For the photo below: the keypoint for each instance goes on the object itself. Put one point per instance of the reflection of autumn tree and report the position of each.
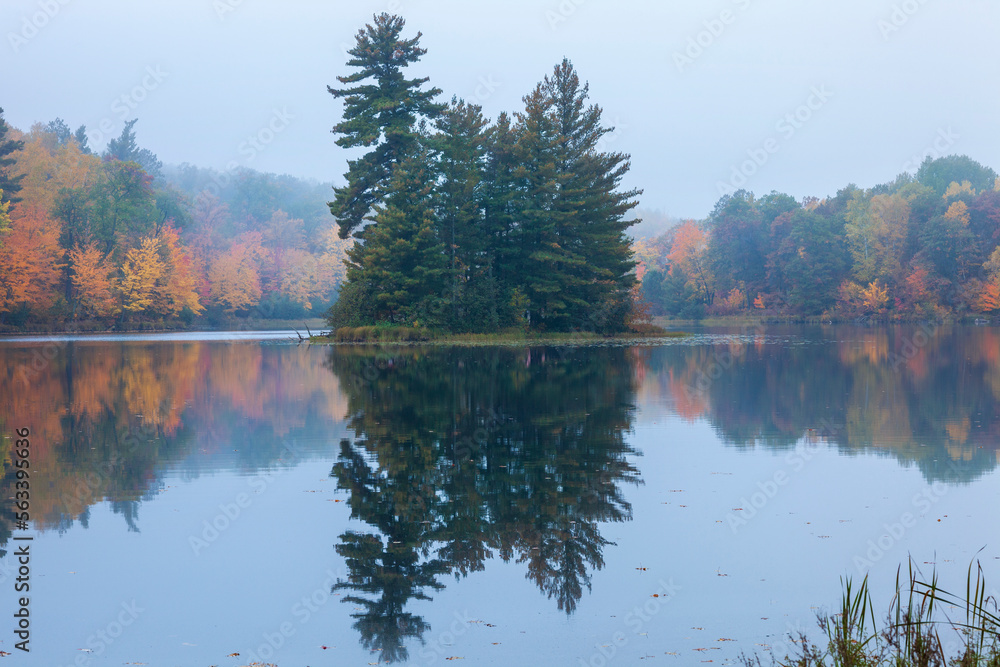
(923, 394)
(116, 414)
(463, 454)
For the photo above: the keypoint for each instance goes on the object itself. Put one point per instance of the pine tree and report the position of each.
(125, 148)
(9, 183)
(576, 261)
(460, 148)
(401, 259)
(593, 205)
(382, 112)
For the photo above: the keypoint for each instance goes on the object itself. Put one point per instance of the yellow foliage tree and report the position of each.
(956, 189)
(875, 297)
(175, 288)
(140, 272)
(958, 212)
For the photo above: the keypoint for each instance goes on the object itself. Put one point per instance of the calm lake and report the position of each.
(203, 495)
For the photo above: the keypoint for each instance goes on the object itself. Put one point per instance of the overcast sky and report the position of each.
(700, 90)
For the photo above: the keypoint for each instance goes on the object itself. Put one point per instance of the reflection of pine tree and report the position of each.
(463, 454)
(392, 574)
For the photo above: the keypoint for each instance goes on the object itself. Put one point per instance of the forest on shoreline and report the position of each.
(119, 241)
(921, 247)
(453, 223)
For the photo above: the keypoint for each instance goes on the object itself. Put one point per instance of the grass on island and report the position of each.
(383, 333)
(926, 626)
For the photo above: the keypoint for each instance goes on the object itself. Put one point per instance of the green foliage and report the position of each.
(354, 307)
(473, 227)
(9, 183)
(125, 149)
(382, 111)
(940, 173)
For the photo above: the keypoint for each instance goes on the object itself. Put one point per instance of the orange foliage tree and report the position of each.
(29, 260)
(234, 276)
(175, 287)
(93, 282)
(688, 254)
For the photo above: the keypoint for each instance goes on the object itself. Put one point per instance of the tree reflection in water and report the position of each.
(462, 455)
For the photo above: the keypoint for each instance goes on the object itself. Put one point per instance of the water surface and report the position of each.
(199, 496)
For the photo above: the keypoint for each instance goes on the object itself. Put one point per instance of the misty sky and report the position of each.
(871, 85)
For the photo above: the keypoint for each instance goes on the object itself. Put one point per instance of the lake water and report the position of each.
(198, 496)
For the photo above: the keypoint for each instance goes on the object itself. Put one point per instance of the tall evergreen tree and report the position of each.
(9, 183)
(576, 260)
(383, 111)
(401, 258)
(460, 149)
(125, 148)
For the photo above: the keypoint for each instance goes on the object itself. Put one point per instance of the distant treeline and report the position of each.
(923, 246)
(117, 240)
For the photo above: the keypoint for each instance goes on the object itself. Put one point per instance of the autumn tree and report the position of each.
(175, 287)
(876, 230)
(141, 270)
(688, 258)
(234, 275)
(30, 261)
(93, 282)
(811, 260)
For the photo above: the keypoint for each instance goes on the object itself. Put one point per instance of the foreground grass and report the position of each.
(925, 626)
(410, 335)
